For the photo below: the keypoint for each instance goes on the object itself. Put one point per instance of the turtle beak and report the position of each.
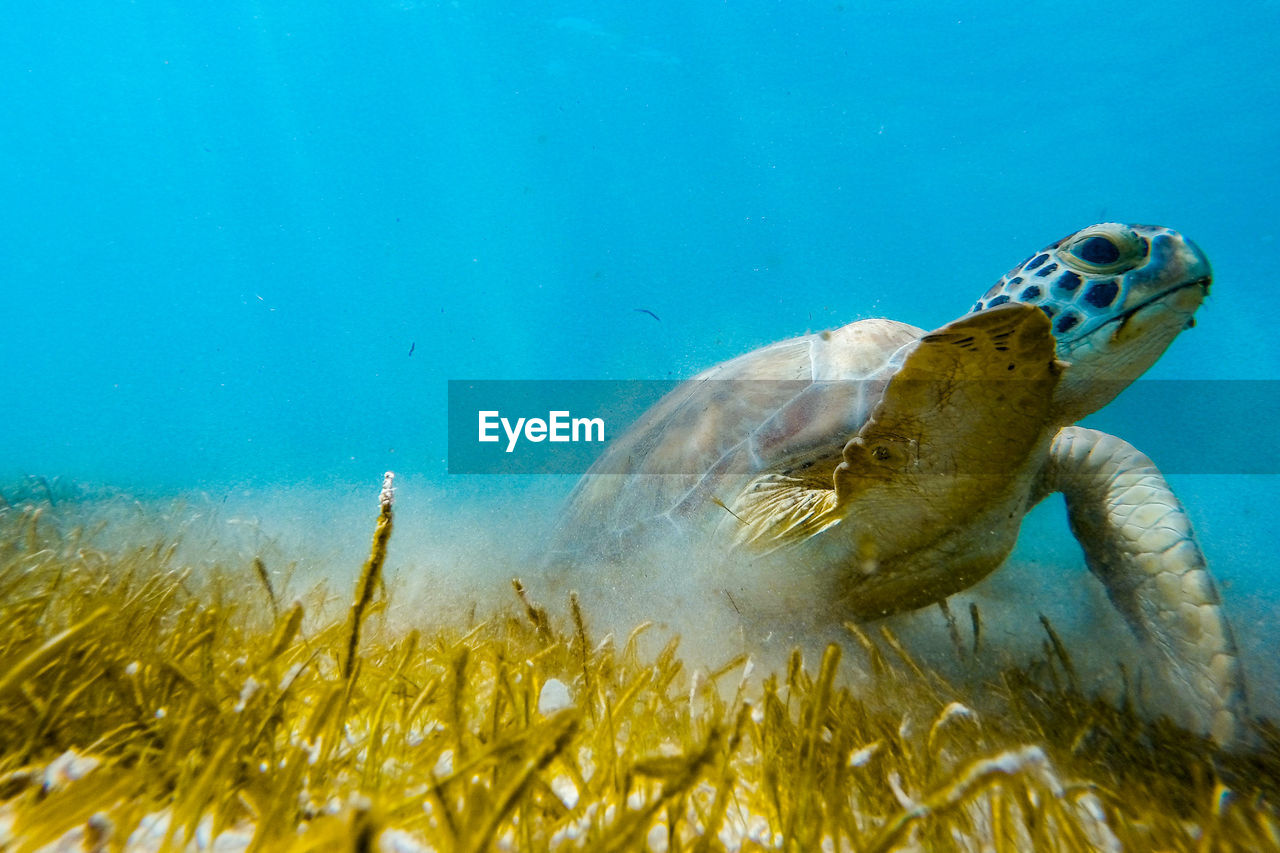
(1203, 283)
(1182, 296)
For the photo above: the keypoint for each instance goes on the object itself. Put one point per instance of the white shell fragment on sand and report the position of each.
(554, 697)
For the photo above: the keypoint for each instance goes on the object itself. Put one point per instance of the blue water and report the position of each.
(247, 244)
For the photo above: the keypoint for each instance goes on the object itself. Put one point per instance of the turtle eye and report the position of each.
(1097, 250)
(1102, 250)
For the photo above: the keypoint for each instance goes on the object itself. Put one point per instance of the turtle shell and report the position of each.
(675, 469)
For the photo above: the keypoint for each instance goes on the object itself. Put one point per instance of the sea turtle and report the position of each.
(875, 469)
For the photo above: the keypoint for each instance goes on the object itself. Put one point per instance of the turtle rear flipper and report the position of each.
(1138, 541)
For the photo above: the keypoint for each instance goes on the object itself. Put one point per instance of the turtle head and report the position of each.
(1117, 296)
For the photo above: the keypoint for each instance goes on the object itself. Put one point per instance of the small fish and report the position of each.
(412, 346)
(650, 313)
(731, 601)
(715, 500)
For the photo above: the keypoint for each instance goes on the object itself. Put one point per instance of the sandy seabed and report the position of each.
(159, 692)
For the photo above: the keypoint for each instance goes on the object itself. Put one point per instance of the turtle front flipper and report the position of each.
(968, 404)
(1137, 540)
